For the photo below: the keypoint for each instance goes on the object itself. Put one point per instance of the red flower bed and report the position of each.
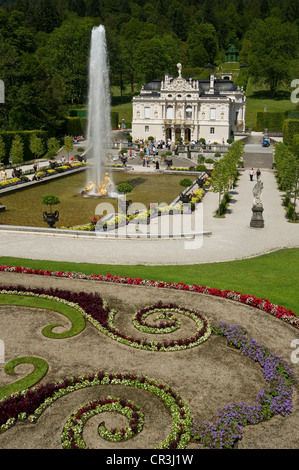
(263, 304)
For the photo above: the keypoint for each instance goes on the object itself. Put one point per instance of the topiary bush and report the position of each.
(50, 200)
(186, 182)
(124, 188)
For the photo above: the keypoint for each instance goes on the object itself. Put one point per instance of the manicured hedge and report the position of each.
(77, 125)
(271, 121)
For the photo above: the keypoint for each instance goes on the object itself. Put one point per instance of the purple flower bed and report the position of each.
(228, 425)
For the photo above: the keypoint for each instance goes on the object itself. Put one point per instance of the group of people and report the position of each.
(257, 173)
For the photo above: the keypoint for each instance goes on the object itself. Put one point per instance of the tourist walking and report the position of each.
(251, 173)
(258, 174)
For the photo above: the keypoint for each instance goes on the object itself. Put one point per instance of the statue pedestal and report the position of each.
(257, 216)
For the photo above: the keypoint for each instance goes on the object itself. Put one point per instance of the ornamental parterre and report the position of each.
(97, 312)
(264, 305)
(222, 432)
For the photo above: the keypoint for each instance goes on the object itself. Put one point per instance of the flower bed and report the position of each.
(13, 182)
(96, 311)
(264, 305)
(147, 215)
(60, 169)
(222, 432)
(73, 429)
(30, 404)
(275, 399)
(41, 174)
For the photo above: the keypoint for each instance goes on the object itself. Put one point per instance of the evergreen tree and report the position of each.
(17, 150)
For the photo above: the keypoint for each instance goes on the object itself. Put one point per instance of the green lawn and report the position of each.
(258, 97)
(273, 276)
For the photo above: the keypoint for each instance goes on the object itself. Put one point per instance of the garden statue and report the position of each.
(257, 209)
(257, 193)
(102, 189)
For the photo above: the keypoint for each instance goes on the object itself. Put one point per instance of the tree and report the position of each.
(32, 101)
(219, 181)
(65, 57)
(287, 166)
(274, 48)
(46, 15)
(202, 42)
(17, 150)
(151, 60)
(53, 145)
(226, 170)
(2, 149)
(37, 145)
(68, 145)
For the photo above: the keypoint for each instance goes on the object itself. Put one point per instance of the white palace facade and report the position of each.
(174, 107)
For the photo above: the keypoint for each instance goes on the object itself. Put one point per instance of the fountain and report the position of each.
(99, 182)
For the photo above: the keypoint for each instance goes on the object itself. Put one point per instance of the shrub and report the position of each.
(290, 128)
(291, 213)
(201, 168)
(186, 182)
(224, 203)
(286, 200)
(124, 188)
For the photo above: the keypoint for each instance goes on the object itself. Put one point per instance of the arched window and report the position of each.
(189, 112)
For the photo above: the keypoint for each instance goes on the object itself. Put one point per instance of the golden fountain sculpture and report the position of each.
(101, 189)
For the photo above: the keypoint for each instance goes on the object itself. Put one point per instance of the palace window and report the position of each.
(212, 130)
(213, 114)
(189, 112)
(146, 129)
(169, 112)
(146, 112)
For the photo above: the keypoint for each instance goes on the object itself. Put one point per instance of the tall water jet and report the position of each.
(99, 126)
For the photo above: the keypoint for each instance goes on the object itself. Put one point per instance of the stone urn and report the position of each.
(168, 162)
(51, 218)
(185, 198)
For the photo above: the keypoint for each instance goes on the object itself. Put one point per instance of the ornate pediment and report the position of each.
(179, 84)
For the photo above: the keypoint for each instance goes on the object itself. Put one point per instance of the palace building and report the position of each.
(174, 107)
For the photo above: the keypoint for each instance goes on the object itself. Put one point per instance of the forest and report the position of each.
(44, 48)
